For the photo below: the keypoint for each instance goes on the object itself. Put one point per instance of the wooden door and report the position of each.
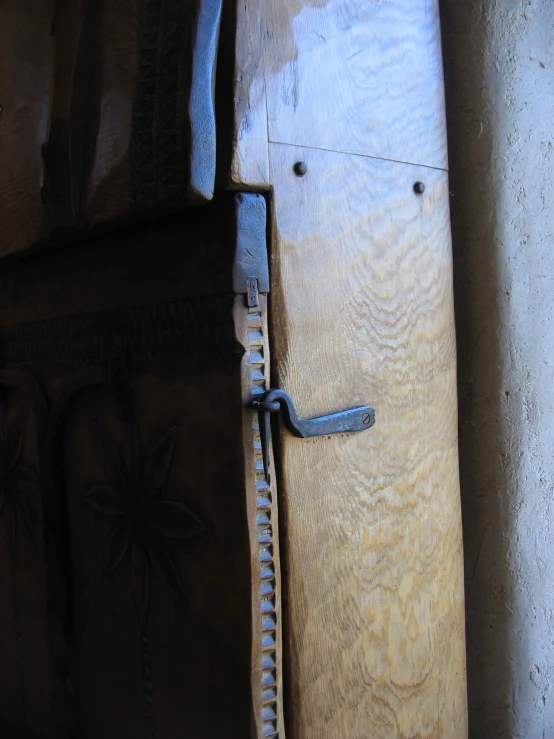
(340, 115)
(139, 530)
(163, 572)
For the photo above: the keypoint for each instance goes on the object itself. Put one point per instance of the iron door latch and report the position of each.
(359, 418)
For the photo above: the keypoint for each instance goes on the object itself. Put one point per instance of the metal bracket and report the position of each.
(359, 418)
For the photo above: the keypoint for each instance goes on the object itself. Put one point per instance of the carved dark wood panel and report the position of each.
(140, 577)
(185, 328)
(160, 561)
(114, 116)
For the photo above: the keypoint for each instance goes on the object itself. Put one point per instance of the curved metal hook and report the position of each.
(360, 418)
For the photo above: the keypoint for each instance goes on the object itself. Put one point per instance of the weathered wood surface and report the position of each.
(250, 162)
(362, 313)
(363, 77)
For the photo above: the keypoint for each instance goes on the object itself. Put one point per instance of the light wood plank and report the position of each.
(362, 76)
(250, 163)
(362, 313)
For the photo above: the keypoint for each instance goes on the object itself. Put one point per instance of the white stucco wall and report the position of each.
(499, 64)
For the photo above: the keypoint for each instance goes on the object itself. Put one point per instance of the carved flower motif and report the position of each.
(18, 484)
(143, 522)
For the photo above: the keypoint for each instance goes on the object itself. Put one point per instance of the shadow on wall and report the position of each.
(485, 515)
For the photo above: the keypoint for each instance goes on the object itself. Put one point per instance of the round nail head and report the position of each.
(300, 169)
(419, 188)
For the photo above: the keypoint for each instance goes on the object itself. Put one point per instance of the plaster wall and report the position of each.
(499, 66)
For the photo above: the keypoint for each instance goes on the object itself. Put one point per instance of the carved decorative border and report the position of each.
(172, 165)
(174, 330)
(159, 163)
(267, 535)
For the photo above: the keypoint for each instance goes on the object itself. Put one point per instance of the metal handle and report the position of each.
(359, 418)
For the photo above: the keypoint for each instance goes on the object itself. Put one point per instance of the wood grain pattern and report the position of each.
(263, 521)
(362, 76)
(362, 313)
(25, 93)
